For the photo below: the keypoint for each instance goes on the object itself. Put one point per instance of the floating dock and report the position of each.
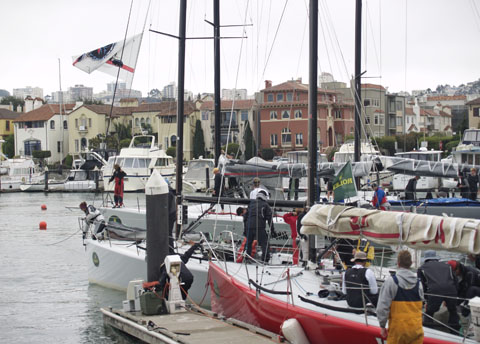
(196, 325)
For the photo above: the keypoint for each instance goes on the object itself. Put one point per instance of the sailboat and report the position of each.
(267, 296)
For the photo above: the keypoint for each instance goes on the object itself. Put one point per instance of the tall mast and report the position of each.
(358, 95)
(216, 48)
(312, 103)
(180, 107)
(60, 107)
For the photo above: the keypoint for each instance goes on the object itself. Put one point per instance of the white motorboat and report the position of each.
(138, 161)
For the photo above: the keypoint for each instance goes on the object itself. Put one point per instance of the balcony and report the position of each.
(82, 128)
(225, 126)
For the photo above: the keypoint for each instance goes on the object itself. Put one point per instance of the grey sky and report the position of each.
(440, 42)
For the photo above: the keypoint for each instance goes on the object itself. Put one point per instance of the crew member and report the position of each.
(379, 200)
(243, 212)
(472, 180)
(400, 303)
(93, 216)
(359, 283)
(256, 188)
(259, 213)
(219, 185)
(411, 189)
(440, 285)
(468, 281)
(118, 176)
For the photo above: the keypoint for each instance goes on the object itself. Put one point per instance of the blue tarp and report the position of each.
(457, 202)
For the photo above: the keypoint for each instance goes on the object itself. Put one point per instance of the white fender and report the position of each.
(293, 331)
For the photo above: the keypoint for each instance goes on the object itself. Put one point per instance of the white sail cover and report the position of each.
(109, 58)
(394, 228)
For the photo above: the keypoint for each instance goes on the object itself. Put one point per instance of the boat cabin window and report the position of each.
(142, 163)
(128, 163)
(161, 162)
(471, 136)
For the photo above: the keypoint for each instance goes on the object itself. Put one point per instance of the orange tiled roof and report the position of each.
(188, 108)
(378, 87)
(294, 85)
(227, 105)
(44, 113)
(433, 98)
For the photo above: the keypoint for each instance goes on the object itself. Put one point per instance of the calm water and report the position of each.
(44, 293)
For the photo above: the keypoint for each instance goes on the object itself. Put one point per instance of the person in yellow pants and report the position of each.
(400, 303)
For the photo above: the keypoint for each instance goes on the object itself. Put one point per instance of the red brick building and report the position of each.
(284, 117)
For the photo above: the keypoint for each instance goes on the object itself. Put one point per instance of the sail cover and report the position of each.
(112, 56)
(418, 231)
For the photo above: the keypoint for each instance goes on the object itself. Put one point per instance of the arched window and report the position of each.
(298, 113)
(173, 140)
(52, 124)
(142, 121)
(83, 143)
(286, 114)
(147, 120)
(137, 122)
(286, 137)
(65, 125)
(273, 115)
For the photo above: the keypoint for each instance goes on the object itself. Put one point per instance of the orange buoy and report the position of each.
(43, 225)
(44, 207)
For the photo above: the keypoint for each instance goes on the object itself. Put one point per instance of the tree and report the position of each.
(268, 153)
(172, 151)
(123, 131)
(15, 102)
(198, 141)
(250, 147)
(233, 149)
(387, 143)
(91, 101)
(154, 93)
(9, 146)
(41, 155)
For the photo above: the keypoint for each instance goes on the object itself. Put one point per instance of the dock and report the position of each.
(196, 325)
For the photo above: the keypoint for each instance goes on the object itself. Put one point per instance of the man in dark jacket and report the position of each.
(359, 283)
(468, 281)
(440, 285)
(219, 185)
(118, 175)
(472, 180)
(259, 213)
(411, 189)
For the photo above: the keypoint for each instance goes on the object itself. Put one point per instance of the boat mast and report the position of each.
(217, 101)
(312, 103)
(180, 110)
(358, 97)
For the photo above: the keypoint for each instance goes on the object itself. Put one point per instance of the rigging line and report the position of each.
(367, 9)
(274, 38)
(118, 72)
(405, 74)
(476, 15)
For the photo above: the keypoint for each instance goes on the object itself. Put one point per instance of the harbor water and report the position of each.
(45, 296)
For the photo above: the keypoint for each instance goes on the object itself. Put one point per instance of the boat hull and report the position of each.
(114, 265)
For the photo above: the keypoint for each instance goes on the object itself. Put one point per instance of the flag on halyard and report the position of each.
(112, 56)
(344, 183)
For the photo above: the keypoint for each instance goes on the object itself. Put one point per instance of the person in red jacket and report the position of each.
(118, 176)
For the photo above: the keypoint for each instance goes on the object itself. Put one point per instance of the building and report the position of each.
(428, 120)
(458, 105)
(6, 122)
(44, 128)
(167, 126)
(234, 94)
(22, 93)
(233, 118)
(146, 116)
(284, 117)
(91, 121)
(395, 114)
(474, 113)
(80, 92)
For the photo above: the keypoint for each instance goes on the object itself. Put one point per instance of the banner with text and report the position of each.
(344, 183)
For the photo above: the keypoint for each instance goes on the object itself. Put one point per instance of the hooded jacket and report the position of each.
(407, 280)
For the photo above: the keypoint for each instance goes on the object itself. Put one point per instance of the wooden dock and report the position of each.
(190, 327)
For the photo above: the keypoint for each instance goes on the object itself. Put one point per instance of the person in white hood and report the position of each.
(400, 303)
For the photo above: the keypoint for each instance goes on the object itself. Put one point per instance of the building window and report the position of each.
(298, 113)
(59, 146)
(299, 139)
(147, 121)
(289, 96)
(52, 124)
(279, 97)
(476, 112)
(367, 119)
(65, 125)
(375, 119)
(137, 122)
(76, 123)
(204, 115)
(273, 140)
(286, 114)
(89, 122)
(244, 115)
(83, 143)
(273, 115)
(7, 125)
(286, 137)
(173, 140)
(399, 105)
(76, 145)
(381, 119)
(399, 121)
(31, 146)
(366, 102)
(376, 102)
(338, 114)
(270, 97)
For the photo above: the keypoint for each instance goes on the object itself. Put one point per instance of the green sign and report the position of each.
(344, 183)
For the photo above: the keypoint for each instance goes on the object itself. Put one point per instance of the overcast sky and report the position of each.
(407, 45)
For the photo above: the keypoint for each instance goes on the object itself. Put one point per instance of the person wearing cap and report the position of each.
(218, 185)
(440, 285)
(259, 214)
(472, 180)
(118, 175)
(256, 188)
(359, 283)
(411, 189)
(400, 304)
(93, 217)
(468, 281)
(379, 200)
